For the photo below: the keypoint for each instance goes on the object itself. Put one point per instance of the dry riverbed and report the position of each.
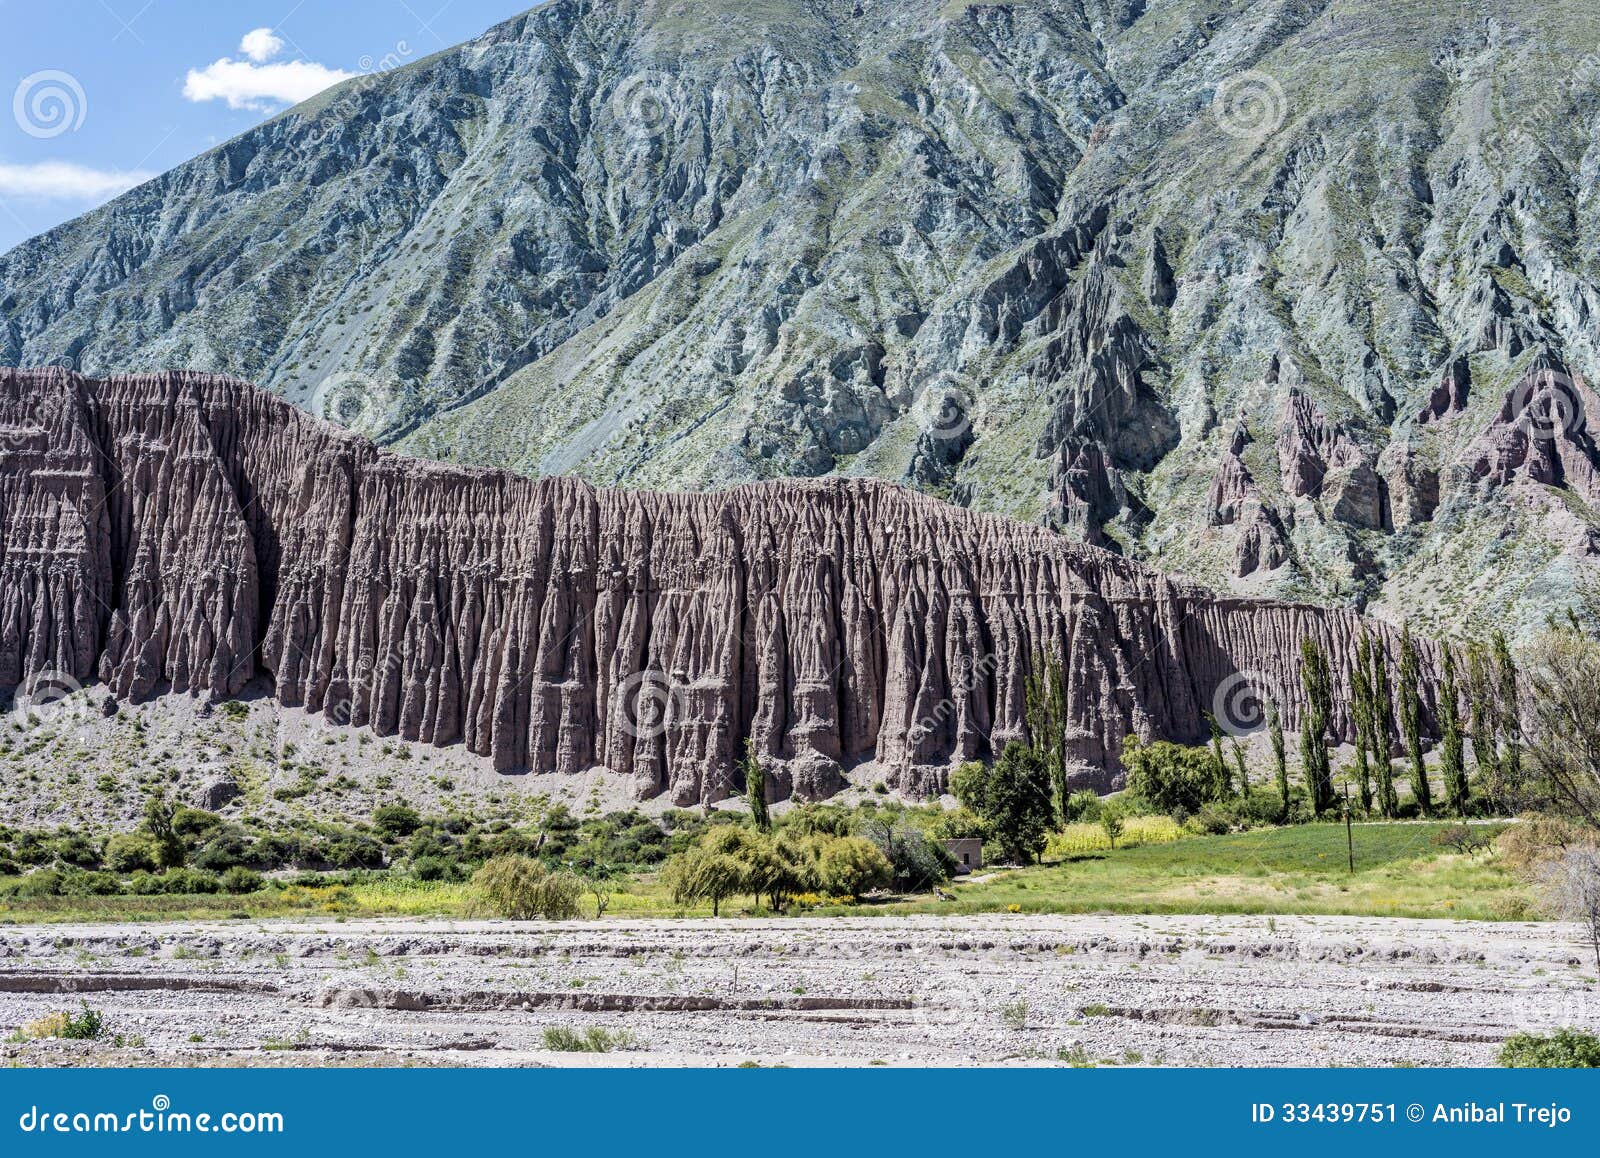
(998, 989)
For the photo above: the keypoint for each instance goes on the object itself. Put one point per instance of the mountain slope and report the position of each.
(181, 533)
(1260, 293)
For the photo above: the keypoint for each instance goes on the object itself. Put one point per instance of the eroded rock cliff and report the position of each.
(183, 533)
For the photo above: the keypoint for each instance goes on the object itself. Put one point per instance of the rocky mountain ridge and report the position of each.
(1297, 298)
(181, 534)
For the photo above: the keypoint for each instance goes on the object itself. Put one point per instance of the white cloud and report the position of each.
(261, 45)
(253, 83)
(260, 86)
(64, 181)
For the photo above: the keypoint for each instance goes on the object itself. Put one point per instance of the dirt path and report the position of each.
(994, 989)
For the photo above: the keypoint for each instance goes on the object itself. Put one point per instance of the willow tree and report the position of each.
(1411, 718)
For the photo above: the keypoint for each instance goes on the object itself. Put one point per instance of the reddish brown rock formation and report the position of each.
(180, 532)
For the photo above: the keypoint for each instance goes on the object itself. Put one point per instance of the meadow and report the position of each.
(1401, 870)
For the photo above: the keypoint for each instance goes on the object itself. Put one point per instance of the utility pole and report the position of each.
(1349, 836)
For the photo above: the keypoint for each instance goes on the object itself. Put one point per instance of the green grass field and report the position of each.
(1400, 872)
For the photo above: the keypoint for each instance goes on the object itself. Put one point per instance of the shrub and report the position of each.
(592, 1040)
(849, 866)
(432, 868)
(129, 852)
(89, 884)
(227, 848)
(43, 883)
(1563, 1049)
(1082, 806)
(75, 850)
(520, 888)
(1170, 776)
(395, 821)
(194, 824)
(1535, 838)
(239, 879)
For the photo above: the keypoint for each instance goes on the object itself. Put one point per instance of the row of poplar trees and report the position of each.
(1490, 723)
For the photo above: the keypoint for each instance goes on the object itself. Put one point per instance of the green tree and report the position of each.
(1045, 695)
(1318, 683)
(1170, 777)
(1013, 798)
(1111, 824)
(1452, 754)
(849, 866)
(1280, 756)
(1382, 719)
(1482, 702)
(1510, 713)
(1411, 718)
(1219, 764)
(158, 815)
(755, 786)
(1361, 713)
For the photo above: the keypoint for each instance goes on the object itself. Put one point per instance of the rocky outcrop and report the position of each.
(183, 533)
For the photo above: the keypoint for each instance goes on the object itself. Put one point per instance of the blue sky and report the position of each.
(97, 94)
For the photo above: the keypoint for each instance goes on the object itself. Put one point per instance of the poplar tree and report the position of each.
(1280, 757)
(1382, 709)
(1411, 718)
(1509, 711)
(1219, 765)
(1452, 750)
(755, 787)
(1481, 697)
(1361, 712)
(1045, 696)
(1314, 725)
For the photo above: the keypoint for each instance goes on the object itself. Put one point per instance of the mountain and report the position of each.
(1294, 298)
(178, 533)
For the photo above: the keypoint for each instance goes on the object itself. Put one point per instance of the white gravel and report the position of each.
(999, 989)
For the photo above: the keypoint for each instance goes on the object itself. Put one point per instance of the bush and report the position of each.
(395, 821)
(239, 879)
(85, 884)
(43, 883)
(1538, 837)
(592, 1040)
(1171, 777)
(849, 866)
(519, 888)
(75, 850)
(1083, 806)
(433, 868)
(1563, 1049)
(129, 852)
